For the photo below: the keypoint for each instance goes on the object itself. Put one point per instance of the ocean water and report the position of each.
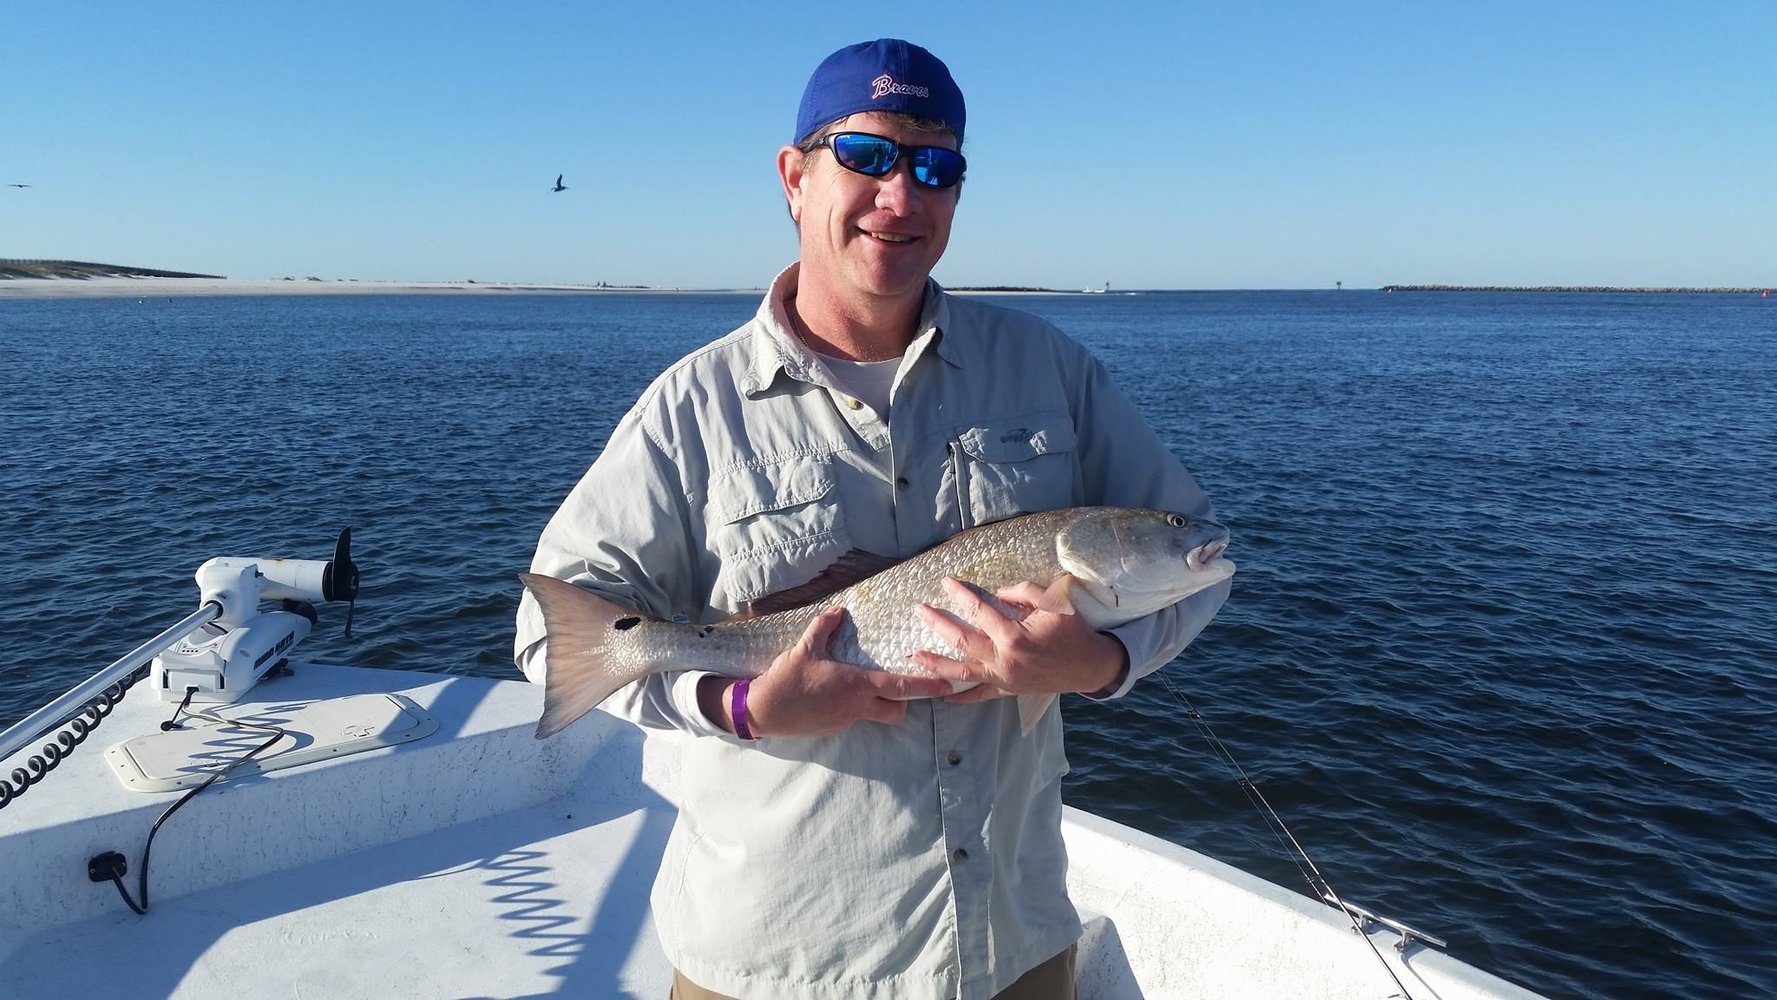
(1502, 651)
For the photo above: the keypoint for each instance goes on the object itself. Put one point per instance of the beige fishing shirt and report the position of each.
(922, 861)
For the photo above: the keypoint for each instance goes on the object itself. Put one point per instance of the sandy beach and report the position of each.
(45, 288)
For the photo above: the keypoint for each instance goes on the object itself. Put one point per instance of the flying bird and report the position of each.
(557, 180)
(559, 186)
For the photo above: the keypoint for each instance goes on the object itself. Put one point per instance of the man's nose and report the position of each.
(897, 190)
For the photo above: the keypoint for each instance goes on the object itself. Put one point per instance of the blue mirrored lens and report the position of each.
(866, 154)
(935, 166)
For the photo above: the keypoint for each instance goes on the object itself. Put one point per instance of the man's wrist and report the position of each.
(1118, 675)
(725, 702)
(712, 700)
(1111, 688)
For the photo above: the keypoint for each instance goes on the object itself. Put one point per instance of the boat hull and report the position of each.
(479, 861)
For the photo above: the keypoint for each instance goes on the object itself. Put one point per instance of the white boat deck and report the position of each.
(480, 862)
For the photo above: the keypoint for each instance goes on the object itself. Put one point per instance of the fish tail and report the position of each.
(579, 627)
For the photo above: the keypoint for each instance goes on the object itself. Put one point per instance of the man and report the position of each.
(865, 835)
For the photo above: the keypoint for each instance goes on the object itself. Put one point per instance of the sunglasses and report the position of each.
(875, 156)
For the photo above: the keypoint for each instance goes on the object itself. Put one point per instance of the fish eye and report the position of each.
(1176, 520)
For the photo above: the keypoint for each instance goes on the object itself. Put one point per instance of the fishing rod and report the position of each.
(1317, 882)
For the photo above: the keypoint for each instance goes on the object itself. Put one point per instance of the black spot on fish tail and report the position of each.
(625, 624)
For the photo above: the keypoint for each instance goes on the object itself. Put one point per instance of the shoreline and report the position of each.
(148, 287)
(171, 287)
(162, 287)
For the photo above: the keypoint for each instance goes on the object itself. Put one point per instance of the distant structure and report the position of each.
(559, 186)
(1637, 289)
(1338, 286)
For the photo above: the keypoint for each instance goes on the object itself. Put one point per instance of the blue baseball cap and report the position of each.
(885, 75)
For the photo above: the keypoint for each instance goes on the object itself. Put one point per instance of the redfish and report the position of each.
(1110, 565)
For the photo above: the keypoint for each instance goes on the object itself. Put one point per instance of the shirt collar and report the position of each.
(776, 348)
(934, 320)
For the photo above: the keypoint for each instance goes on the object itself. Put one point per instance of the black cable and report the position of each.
(74, 733)
(216, 775)
(173, 723)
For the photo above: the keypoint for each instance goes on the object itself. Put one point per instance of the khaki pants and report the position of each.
(1053, 980)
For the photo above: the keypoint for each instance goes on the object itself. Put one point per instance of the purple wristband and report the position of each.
(737, 709)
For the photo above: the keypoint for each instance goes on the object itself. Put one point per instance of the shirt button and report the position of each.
(954, 758)
(961, 855)
(856, 404)
(901, 484)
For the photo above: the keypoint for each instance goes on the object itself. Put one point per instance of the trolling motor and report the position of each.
(225, 658)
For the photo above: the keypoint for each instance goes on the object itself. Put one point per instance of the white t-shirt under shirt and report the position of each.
(870, 381)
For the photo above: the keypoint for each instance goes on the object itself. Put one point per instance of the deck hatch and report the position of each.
(313, 731)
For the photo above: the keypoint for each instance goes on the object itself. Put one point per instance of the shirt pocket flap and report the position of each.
(752, 490)
(769, 524)
(1020, 441)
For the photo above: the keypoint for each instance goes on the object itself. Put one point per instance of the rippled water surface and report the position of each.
(1501, 652)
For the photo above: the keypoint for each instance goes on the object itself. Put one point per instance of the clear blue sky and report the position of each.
(1149, 145)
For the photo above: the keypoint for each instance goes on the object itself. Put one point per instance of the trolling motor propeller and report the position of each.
(223, 661)
(339, 581)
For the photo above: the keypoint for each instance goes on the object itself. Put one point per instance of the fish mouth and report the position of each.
(1201, 556)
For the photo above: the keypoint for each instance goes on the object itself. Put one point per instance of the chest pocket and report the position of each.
(1015, 467)
(772, 527)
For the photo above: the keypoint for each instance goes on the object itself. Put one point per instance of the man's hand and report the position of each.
(806, 693)
(1037, 652)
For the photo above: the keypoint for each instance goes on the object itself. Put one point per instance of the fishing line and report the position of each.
(1310, 871)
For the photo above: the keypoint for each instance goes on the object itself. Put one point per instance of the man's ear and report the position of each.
(790, 164)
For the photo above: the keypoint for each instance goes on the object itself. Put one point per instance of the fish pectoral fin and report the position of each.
(1057, 599)
(848, 569)
(1031, 709)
